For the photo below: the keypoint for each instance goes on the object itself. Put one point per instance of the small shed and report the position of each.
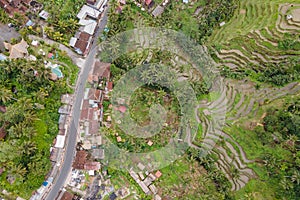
(29, 23)
(158, 11)
(222, 24)
(44, 15)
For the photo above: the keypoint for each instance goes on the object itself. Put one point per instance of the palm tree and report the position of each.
(48, 31)
(286, 184)
(296, 177)
(17, 171)
(24, 104)
(16, 131)
(28, 131)
(28, 147)
(41, 95)
(5, 94)
(3, 17)
(72, 24)
(57, 36)
(44, 73)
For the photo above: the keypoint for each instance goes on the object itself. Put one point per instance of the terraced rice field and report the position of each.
(257, 45)
(250, 15)
(248, 41)
(238, 99)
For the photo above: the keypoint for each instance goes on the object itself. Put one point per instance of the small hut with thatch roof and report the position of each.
(18, 50)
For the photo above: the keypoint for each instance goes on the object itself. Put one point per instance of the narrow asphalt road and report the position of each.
(72, 135)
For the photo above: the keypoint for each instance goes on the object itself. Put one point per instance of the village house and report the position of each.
(146, 184)
(100, 72)
(20, 6)
(92, 142)
(60, 141)
(87, 11)
(90, 111)
(148, 3)
(65, 109)
(54, 154)
(91, 108)
(123, 192)
(97, 4)
(88, 20)
(67, 98)
(158, 11)
(98, 153)
(81, 42)
(67, 196)
(14, 6)
(62, 122)
(94, 95)
(81, 162)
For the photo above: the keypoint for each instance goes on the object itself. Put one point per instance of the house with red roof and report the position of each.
(110, 86)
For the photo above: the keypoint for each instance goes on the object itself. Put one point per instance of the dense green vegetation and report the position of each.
(176, 16)
(4, 18)
(30, 121)
(63, 22)
(194, 177)
(274, 144)
(139, 108)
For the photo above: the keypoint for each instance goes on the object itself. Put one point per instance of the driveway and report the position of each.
(6, 35)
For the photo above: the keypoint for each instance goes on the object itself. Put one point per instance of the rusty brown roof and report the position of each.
(84, 36)
(2, 3)
(67, 196)
(92, 165)
(84, 110)
(94, 94)
(101, 69)
(82, 45)
(26, 2)
(91, 112)
(94, 127)
(110, 86)
(80, 160)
